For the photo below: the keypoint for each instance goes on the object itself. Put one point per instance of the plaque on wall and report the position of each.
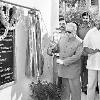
(7, 58)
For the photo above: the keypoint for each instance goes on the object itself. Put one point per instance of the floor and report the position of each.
(26, 92)
(23, 93)
(83, 97)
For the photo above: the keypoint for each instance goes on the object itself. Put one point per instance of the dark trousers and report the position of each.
(84, 73)
(59, 82)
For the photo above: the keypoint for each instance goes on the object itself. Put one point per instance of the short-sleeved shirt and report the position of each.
(92, 40)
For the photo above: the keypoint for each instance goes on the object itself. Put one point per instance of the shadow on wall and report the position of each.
(20, 91)
(48, 60)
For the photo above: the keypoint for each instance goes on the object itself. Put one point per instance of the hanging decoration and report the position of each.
(4, 20)
(7, 19)
(36, 57)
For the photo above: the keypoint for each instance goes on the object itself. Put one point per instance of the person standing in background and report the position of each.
(82, 31)
(92, 48)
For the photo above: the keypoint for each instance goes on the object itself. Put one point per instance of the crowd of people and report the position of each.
(78, 61)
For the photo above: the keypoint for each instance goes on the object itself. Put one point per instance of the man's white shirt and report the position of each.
(92, 40)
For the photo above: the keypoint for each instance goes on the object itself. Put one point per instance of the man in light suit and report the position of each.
(70, 51)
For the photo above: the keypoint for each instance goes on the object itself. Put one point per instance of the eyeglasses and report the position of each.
(68, 32)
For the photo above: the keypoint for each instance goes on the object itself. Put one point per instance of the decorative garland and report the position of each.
(5, 21)
(4, 35)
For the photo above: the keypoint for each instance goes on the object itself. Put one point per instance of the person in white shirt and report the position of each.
(92, 48)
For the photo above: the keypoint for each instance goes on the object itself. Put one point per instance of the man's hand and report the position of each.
(97, 50)
(49, 52)
(59, 61)
(56, 54)
(90, 51)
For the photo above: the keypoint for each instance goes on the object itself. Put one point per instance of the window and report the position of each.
(94, 2)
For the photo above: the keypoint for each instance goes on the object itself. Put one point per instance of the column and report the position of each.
(99, 6)
(64, 8)
(54, 25)
(88, 3)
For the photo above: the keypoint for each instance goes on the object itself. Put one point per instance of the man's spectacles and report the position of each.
(68, 32)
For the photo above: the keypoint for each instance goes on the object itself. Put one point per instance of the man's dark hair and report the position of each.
(60, 19)
(4, 9)
(85, 14)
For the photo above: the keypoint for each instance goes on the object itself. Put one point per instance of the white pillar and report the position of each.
(64, 8)
(54, 15)
(88, 3)
(99, 6)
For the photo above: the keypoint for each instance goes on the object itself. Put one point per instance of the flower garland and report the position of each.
(4, 35)
(4, 18)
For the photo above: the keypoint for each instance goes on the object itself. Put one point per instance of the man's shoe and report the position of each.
(84, 90)
(97, 89)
